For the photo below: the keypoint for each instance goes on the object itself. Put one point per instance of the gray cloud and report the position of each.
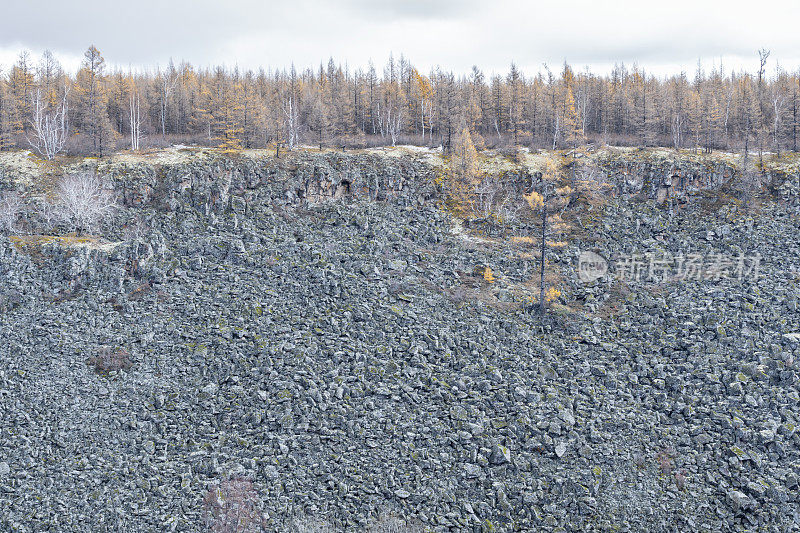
(413, 9)
(453, 33)
(137, 32)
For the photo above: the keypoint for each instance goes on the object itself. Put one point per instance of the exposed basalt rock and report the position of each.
(656, 175)
(634, 176)
(223, 184)
(317, 347)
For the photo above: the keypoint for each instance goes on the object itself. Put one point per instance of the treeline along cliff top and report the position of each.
(100, 109)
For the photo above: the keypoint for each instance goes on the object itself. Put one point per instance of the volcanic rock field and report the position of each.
(322, 326)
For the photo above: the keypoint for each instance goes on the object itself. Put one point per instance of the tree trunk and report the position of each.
(544, 247)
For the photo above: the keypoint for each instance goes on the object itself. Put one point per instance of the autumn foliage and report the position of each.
(109, 108)
(462, 173)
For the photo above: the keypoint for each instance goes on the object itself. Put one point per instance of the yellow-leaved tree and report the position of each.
(91, 98)
(573, 133)
(10, 125)
(463, 170)
(21, 83)
(424, 93)
(226, 111)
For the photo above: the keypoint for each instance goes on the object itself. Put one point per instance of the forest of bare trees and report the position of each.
(101, 109)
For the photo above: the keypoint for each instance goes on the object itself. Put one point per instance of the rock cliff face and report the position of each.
(315, 324)
(224, 184)
(632, 176)
(657, 174)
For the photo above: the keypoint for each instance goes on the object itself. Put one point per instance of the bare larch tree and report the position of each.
(48, 126)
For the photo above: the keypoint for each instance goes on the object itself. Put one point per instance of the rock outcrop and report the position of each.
(314, 324)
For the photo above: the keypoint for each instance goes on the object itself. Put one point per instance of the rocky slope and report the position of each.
(315, 324)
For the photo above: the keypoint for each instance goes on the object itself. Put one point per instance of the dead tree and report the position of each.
(543, 250)
(394, 123)
(134, 109)
(84, 200)
(538, 202)
(166, 86)
(291, 121)
(483, 197)
(49, 126)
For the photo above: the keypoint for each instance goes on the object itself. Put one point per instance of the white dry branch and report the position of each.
(84, 200)
(483, 197)
(10, 207)
(509, 209)
(425, 104)
(49, 126)
(48, 213)
(166, 86)
(491, 200)
(394, 123)
(135, 115)
(677, 126)
(291, 121)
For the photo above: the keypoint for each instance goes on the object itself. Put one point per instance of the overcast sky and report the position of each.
(666, 37)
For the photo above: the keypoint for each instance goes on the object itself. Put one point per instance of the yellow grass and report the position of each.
(28, 243)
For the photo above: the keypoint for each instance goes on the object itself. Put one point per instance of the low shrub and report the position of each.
(233, 506)
(108, 360)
